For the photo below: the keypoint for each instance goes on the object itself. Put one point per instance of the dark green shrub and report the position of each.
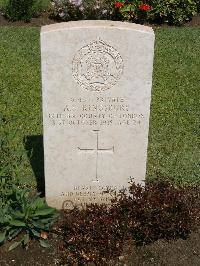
(19, 10)
(198, 5)
(173, 11)
(24, 9)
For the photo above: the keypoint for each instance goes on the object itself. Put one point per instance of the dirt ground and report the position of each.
(35, 255)
(161, 253)
(168, 253)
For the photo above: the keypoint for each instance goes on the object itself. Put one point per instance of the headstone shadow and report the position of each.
(35, 152)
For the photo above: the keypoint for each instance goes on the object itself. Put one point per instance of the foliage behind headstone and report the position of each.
(173, 12)
(22, 9)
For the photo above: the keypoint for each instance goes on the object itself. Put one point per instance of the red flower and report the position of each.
(119, 4)
(144, 7)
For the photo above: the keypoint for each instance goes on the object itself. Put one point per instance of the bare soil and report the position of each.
(34, 255)
(161, 253)
(168, 253)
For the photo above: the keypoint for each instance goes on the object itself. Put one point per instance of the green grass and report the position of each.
(21, 87)
(174, 141)
(174, 148)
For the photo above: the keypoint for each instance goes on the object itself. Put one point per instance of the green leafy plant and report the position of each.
(19, 10)
(198, 5)
(133, 10)
(28, 216)
(174, 12)
(6, 191)
(20, 214)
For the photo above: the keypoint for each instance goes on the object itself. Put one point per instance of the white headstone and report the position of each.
(96, 79)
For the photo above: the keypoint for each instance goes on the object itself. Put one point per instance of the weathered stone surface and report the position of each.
(96, 78)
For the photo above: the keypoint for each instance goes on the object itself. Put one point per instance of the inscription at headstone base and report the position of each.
(96, 79)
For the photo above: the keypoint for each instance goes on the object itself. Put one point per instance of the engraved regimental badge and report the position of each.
(97, 66)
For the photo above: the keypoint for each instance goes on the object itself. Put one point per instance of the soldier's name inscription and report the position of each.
(97, 111)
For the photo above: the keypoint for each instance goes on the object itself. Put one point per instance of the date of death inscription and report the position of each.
(97, 111)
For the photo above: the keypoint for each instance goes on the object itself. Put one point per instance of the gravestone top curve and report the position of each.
(97, 23)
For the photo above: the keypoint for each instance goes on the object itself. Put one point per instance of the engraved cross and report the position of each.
(97, 150)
